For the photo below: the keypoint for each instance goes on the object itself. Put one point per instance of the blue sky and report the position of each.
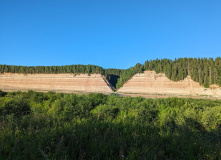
(108, 33)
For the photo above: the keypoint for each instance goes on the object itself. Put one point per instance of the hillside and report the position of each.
(111, 74)
(203, 70)
(206, 72)
(55, 82)
(150, 82)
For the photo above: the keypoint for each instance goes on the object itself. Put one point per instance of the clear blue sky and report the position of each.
(108, 33)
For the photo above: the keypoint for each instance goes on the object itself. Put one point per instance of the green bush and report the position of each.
(95, 126)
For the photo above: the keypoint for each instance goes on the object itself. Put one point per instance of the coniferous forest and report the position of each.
(203, 70)
(51, 125)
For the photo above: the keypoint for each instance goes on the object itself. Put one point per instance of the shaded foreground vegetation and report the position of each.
(95, 126)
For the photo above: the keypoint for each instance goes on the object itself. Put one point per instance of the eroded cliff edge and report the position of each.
(151, 83)
(55, 82)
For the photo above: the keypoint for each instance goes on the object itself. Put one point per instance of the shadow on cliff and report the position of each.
(113, 79)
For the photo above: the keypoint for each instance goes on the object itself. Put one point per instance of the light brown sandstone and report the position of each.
(55, 82)
(151, 83)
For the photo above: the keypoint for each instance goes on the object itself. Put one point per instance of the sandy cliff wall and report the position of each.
(151, 83)
(54, 82)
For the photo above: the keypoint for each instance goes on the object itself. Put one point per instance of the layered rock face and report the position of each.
(151, 83)
(55, 82)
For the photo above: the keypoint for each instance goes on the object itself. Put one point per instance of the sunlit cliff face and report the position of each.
(55, 82)
(151, 83)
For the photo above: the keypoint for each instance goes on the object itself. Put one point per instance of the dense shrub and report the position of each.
(95, 126)
(2, 94)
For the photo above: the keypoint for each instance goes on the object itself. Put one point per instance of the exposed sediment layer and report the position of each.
(55, 82)
(151, 83)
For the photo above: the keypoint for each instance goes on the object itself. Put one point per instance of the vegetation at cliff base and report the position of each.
(95, 126)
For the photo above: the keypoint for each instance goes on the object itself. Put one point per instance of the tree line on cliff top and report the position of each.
(111, 74)
(206, 71)
(202, 70)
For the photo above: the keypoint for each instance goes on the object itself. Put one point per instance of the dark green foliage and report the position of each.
(76, 69)
(128, 73)
(113, 79)
(16, 106)
(2, 94)
(95, 126)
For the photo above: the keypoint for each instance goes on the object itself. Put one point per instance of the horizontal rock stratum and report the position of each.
(151, 83)
(55, 82)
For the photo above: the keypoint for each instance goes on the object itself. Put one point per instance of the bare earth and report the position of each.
(150, 83)
(167, 96)
(147, 85)
(54, 82)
